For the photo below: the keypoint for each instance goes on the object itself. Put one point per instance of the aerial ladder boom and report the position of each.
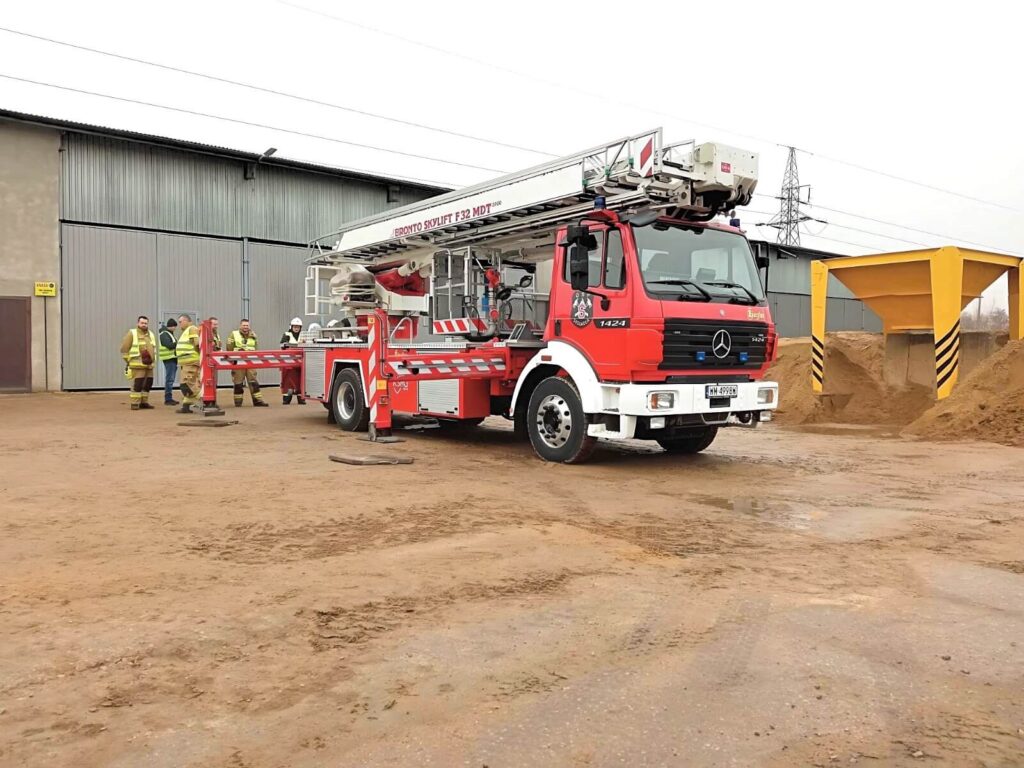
(638, 172)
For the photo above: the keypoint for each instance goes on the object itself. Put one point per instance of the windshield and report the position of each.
(696, 263)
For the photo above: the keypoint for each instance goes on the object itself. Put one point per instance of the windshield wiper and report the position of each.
(727, 284)
(686, 283)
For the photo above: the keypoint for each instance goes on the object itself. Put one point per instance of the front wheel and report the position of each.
(695, 442)
(556, 423)
(348, 406)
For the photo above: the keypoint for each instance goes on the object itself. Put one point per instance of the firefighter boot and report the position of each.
(135, 395)
(287, 399)
(302, 400)
(185, 408)
(147, 385)
(257, 396)
(237, 393)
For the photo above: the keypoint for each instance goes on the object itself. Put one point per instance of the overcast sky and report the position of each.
(923, 91)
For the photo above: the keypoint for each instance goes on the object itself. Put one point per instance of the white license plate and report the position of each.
(721, 390)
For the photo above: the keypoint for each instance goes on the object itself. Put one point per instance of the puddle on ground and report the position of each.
(778, 512)
(835, 428)
(836, 523)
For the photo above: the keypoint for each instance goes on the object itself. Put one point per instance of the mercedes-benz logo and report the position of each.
(721, 343)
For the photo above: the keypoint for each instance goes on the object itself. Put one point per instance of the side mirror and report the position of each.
(578, 244)
(761, 260)
(579, 266)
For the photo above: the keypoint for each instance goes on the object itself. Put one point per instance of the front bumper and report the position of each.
(627, 406)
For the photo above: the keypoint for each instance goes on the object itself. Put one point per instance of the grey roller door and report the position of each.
(202, 275)
(108, 278)
(276, 284)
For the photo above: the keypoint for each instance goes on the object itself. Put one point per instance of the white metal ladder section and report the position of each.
(635, 171)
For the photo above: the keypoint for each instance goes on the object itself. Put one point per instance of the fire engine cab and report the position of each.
(595, 296)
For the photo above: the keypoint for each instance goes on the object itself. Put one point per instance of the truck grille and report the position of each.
(683, 340)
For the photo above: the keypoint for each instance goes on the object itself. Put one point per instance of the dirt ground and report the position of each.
(229, 597)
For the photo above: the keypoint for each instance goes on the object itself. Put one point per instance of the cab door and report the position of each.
(597, 328)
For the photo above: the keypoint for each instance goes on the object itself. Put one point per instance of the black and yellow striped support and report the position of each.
(817, 363)
(947, 360)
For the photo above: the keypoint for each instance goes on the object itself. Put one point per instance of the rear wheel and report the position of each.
(695, 442)
(556, 423)
(347, 403)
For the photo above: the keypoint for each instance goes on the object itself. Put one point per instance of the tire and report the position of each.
(348, 406)
(556, 423)
(695, 442)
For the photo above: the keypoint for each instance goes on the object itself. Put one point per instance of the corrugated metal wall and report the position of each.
(276, 282)
(198, 256)
(789, 288)
(128, 184)
(791, 313)
(111, 276)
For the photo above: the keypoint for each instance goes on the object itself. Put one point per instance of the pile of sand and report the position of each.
(854, 390)
(987, 404)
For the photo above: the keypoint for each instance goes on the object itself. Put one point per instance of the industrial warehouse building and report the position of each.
(113, 224)
(123, 224)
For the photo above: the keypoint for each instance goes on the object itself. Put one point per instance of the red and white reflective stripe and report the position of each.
(371, 373)
(224, 358)
(645, 158)
(460, 325)
(427, 366)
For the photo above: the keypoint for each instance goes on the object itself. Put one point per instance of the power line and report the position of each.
(646, 108)
(251, 124)
(891, 224)
(834, 224)
(847, 242)
(922, 184)
(275, 92)
(909, 229)
(518, 73)
(869, 232)
(834, 240)
(435, 129)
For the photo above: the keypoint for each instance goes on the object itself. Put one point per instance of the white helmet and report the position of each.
(296, 321)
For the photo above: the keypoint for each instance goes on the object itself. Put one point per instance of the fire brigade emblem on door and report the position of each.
(582, 308)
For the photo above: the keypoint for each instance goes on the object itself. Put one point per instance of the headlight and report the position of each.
(766, 396)
(658, 401)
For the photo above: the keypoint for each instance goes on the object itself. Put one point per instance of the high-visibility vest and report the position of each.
(243, 343)
(187, 349)
(135, 354)
(167, 353)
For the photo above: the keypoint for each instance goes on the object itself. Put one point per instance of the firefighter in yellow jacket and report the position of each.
(244, 340)
(138, 348)
(187, 352)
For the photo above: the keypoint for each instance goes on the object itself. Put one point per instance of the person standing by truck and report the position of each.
(215, 327)
(244, 340)
(290, 384)
(138, 348)
(187, 352)
(169, 359)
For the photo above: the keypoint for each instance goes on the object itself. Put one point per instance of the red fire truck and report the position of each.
(595, 296)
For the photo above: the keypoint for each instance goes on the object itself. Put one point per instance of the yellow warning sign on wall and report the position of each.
(46, 289)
